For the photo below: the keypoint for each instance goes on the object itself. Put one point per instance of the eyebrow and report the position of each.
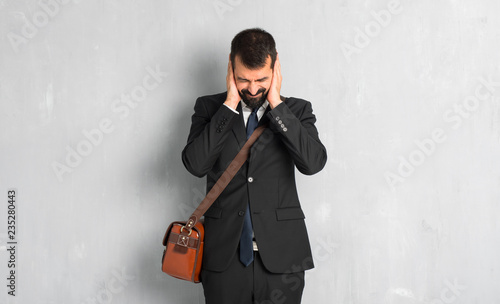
(261, 79)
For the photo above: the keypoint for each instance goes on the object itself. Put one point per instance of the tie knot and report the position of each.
(254, 111)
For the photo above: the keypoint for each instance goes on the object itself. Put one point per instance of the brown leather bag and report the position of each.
(184, 240)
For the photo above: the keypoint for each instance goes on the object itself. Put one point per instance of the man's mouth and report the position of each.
(259, 92)
(253, 95)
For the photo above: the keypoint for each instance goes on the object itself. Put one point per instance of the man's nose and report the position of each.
(253, 88)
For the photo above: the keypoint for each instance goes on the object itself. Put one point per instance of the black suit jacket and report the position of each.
(266, 180)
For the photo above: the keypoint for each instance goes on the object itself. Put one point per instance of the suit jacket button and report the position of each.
(250, 179)
(285, 129)
(241, 213)
(277, 118)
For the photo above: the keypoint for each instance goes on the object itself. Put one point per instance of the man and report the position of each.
(256, 244)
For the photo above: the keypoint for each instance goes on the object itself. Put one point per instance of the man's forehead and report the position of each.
(242, 71)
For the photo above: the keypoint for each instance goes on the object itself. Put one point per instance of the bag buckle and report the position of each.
(183, 241)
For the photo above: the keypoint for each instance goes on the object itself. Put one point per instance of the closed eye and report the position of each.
(244, 80)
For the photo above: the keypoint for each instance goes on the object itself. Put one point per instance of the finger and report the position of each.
(278, 72)
(279, 63)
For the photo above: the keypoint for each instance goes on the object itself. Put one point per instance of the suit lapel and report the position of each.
(264, 119)
(239, 129)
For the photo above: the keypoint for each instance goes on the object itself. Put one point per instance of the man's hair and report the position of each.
(253, 46)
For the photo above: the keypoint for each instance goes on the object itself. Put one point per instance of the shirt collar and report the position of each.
(248, 109)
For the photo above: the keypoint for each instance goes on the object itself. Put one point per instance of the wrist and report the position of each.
(231, 103)
(274, 103)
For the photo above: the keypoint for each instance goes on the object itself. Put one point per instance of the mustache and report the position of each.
(261, 90)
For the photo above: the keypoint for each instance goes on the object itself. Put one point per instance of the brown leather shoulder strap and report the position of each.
(224, 179)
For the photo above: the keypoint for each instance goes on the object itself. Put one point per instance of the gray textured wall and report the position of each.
(95, 106)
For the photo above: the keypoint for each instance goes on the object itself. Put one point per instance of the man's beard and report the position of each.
(253, 101)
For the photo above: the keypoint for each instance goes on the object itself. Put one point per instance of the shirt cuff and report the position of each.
(232, 109)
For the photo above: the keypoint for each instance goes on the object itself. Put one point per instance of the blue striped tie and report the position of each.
(246, 242)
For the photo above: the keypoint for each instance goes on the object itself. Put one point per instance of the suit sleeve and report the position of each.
(300, 137)
(206, 137)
